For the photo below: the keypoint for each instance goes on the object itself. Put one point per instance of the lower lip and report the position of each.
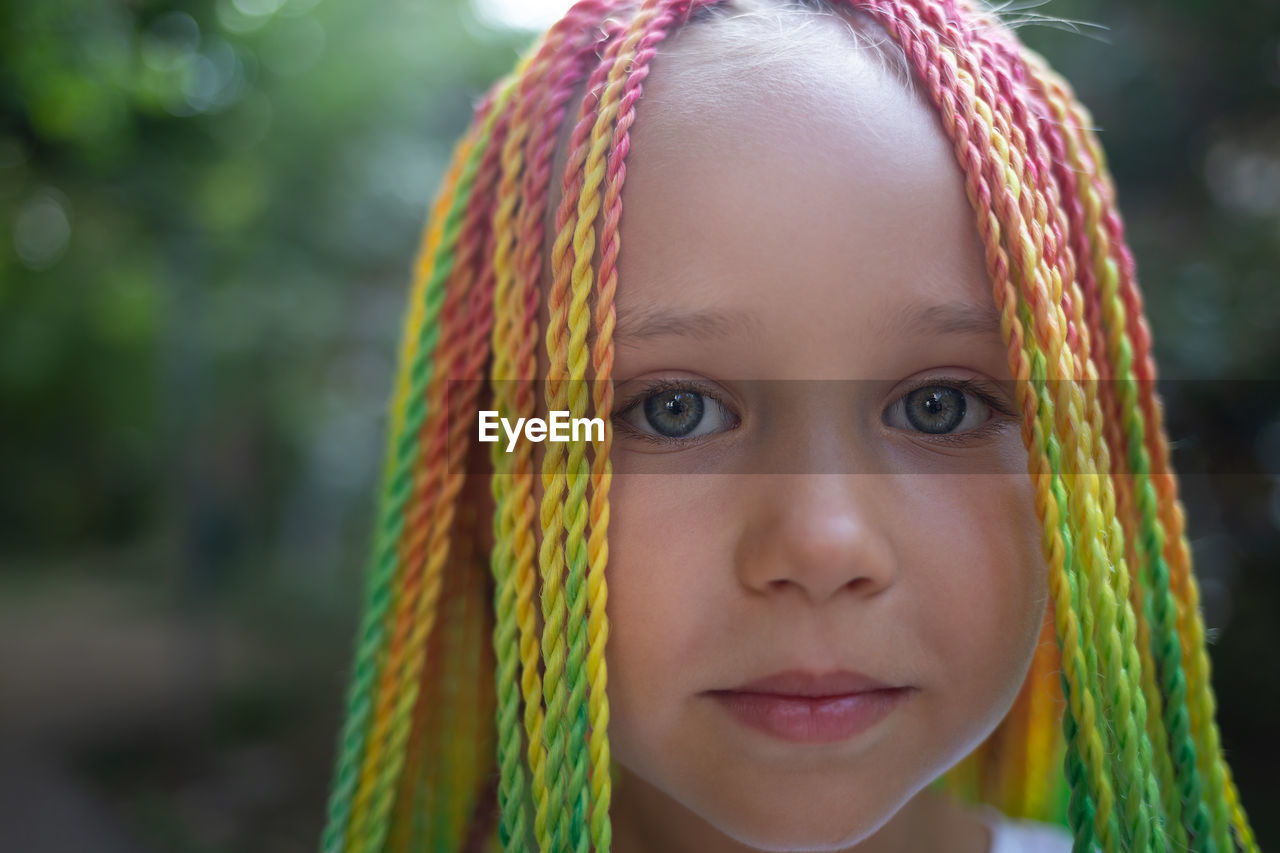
(804, 720)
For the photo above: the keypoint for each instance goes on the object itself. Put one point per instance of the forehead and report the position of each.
(792, 174)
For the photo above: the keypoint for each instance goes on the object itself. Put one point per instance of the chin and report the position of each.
(783, 825)
(806, 839)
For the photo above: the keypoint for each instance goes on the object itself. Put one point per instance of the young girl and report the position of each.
(877, 548)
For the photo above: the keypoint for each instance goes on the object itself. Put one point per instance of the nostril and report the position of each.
(862, 585)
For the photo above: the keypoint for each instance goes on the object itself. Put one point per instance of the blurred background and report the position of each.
(208, 212)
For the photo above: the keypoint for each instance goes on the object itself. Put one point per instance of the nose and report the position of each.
(822, 534)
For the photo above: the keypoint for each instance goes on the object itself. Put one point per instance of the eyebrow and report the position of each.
(656, 322)
(946, 318)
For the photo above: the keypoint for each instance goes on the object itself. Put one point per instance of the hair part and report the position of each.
(750, 36)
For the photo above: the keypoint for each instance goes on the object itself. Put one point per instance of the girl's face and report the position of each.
(804, 222)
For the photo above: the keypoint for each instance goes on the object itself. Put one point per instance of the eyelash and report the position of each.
(967, 386)
(658, 387)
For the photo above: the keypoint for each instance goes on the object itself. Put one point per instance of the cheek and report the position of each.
(982, 589)
(667, 600)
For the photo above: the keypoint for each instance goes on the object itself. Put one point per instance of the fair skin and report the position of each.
(806, 525)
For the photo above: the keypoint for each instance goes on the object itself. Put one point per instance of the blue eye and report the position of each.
(675, 412)
(940, 409)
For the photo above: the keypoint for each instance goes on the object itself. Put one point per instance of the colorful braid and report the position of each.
(406, 419)
(1223, 800)
(622, 67)
(1136, 746)
(513, 326)
(1149, 538)
(1166, 718)
(554, 818)
(1092, 795)
(1118, 693)
(540, 151)
(426, 534)
(1064, 150)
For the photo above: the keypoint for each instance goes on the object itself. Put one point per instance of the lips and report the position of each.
(796, 682)
(802, 707)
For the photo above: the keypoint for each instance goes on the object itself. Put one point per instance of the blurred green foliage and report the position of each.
(208, 213)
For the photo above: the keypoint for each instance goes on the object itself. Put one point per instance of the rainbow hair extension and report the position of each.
(478, 721)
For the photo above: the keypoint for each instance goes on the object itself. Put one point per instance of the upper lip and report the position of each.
(798, 682)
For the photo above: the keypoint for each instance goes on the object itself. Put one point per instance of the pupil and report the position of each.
(935, 409)
(674, 413)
